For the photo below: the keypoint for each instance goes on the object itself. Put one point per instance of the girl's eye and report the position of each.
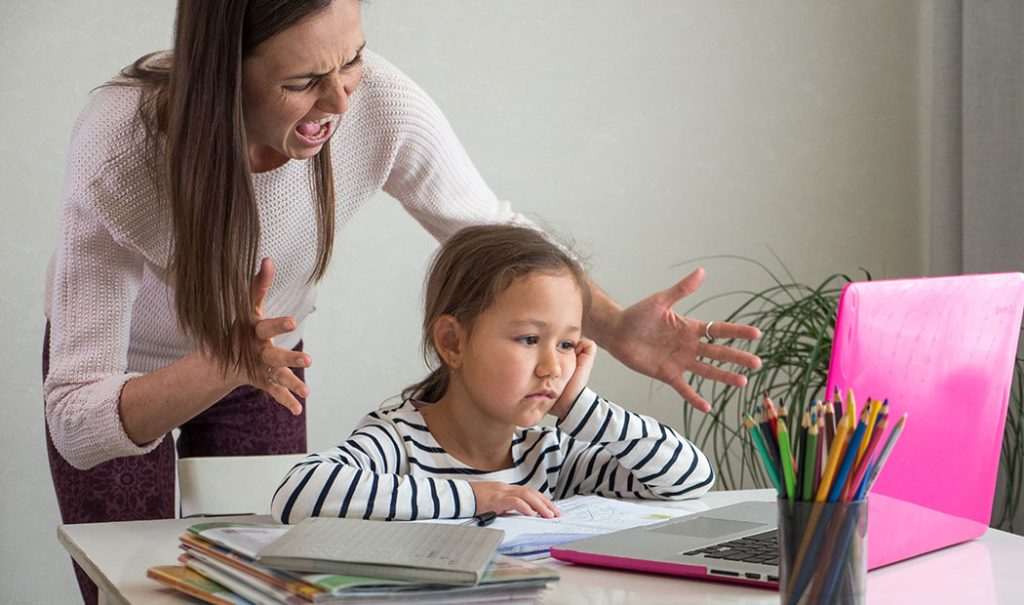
(308, 85)
(567, 345)
(528, 340)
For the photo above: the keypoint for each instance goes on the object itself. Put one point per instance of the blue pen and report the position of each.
(849, 456)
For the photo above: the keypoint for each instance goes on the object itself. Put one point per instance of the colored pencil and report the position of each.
(876, 407)
(801, 452)
(861, 467)
(863, 489)
(788, 471)
(830, 423)
(770, 443)
(886, 450)
(850, 456)
(784, 415)
(835, 452)
(771, 415)
(837, 406)
(819, 456)
(755, 436)
(810, 455)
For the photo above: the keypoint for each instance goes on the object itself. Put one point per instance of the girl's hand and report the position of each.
(586, 351)
(500, 498)
(277, 379)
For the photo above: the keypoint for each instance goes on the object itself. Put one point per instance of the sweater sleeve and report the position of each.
(431, 174)
(368, 477)
(95, 282)
(612, 452)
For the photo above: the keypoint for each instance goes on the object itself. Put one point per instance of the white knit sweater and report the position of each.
(108, 299)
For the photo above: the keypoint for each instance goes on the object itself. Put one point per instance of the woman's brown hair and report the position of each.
(194, 105)
(468, 274)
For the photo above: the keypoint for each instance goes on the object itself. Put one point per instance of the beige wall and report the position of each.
(653, 133)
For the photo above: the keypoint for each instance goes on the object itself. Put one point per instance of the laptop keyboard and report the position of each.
(760, 548)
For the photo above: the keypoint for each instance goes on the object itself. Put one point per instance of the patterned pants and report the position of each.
(245, 422)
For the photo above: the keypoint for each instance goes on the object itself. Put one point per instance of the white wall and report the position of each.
(653, 133)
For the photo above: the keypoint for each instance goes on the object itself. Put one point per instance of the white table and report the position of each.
(987, 570)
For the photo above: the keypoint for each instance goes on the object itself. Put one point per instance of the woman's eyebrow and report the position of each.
(309, 75)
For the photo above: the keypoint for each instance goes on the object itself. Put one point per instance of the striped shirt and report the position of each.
(391, 468)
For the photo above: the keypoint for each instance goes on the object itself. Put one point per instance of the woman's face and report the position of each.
(297, 83)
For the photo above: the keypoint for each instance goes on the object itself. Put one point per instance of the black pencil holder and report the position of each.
(823, 552)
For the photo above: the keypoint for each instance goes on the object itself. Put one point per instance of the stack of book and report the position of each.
(326, 561)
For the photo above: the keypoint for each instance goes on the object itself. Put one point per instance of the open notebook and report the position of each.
(940, 349)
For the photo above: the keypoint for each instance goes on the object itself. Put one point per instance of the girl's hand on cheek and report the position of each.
(586, 352)
(501, 498)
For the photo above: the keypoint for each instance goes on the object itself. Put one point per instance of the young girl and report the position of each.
(504, 310)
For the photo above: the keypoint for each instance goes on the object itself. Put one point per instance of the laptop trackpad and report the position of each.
(706, 527)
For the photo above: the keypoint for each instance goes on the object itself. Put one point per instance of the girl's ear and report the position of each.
(449, 340)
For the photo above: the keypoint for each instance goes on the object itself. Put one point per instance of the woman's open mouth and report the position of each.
(315, 133)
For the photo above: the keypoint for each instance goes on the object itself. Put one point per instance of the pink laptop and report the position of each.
(940, 349)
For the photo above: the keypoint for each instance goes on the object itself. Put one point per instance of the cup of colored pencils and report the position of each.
(823, 470)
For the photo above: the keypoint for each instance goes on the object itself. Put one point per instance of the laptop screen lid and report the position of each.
(942, 350)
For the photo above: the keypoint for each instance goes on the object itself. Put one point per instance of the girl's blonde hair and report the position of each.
(468, 274)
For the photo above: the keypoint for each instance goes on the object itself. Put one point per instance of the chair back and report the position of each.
(230, 485)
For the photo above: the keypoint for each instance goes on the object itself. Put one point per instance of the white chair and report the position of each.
(230, 485)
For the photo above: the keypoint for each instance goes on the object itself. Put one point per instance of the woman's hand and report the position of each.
(650, 338)
(586, 351)
(500, 498)
(278, 379)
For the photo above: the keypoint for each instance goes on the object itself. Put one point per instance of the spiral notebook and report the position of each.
(941, 350)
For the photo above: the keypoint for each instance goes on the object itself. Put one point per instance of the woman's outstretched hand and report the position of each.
(650, 338)
(277, 379)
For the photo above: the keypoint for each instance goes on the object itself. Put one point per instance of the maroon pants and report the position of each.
(245, 422)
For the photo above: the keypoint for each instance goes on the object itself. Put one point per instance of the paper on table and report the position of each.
(582, 516)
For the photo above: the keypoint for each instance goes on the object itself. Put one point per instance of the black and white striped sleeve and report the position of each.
(612, 452)
(367, 477)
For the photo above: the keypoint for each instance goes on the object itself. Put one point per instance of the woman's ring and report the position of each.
(270, 375)
(707, 332)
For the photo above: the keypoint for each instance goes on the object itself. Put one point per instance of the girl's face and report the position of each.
(297, 83)
(522, 350)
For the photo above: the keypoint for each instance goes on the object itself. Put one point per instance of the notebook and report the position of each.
(940, 349)
(427, 552)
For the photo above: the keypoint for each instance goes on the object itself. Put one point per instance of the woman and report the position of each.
(201, 168)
